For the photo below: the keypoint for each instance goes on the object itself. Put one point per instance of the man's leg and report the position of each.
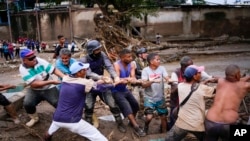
(122, 99)
(89, 106)
(52, 96)
(52, 129)
(10, 109)
(31, 99)
(109, 100)
(85, 129)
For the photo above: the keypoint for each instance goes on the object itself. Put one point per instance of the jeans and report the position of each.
(34, 97)
(177, 134)
(106, 97)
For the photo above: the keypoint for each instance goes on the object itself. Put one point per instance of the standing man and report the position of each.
(36, 72)
(123, 97)
(141, 63)
(73, 45)
(61, 44)
(191, 115)
(158, 36)
(230, 92)
(99, 61)
(154, 99)
(69, 111)
(8, 106)
(178, 77)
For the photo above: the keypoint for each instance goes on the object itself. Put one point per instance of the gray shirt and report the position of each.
(155, 92)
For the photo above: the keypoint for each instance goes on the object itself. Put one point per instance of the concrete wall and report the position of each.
(198, 22)
(181, 22)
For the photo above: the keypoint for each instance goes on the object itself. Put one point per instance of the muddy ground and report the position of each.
(215, 65)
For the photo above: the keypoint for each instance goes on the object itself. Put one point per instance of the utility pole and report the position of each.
(70, 21)
(9, 22)
(37, 23)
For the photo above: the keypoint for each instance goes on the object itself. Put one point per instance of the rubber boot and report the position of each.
(10, 109)
(121, 127)
(34, 119)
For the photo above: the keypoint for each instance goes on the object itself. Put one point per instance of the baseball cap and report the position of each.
(191, 70)
(77, 66)
(26, 53)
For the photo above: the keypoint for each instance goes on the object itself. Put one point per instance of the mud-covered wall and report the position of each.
(181, 22)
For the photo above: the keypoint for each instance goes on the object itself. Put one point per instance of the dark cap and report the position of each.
(26, 53)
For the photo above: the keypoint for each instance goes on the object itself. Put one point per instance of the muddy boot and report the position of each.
(121, 127)
(139, 132)
(34, 119)
(10, 109)
(47, 137)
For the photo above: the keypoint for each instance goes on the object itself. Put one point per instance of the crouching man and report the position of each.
(36, 72)
(71, 102)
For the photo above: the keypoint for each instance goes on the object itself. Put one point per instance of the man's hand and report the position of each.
(107, 79)
(55, 82)
(117, 79)
(100, 81)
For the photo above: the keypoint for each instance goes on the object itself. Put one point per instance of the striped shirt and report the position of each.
(41, 71)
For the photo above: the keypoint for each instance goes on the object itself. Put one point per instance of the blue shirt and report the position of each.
(124, 72)
(63, 68)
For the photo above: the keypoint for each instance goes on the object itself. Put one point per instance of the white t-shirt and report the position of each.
(191, 115)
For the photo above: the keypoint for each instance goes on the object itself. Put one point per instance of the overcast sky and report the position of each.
(222, 1)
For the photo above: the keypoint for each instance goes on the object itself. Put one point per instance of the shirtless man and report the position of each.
(230, 92)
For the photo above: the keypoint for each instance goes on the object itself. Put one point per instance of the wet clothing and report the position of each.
(97, 66)
(3, 100)
(160, 106)
(123, 97)
(69, 112)
(215, 130)
(177, 134)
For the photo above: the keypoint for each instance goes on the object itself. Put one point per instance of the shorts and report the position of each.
(159, 106)
(4, 101)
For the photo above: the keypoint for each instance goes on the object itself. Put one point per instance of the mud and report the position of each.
(215, 65)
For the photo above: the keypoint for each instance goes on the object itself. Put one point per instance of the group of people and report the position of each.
(81, 81)
(9, 50)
